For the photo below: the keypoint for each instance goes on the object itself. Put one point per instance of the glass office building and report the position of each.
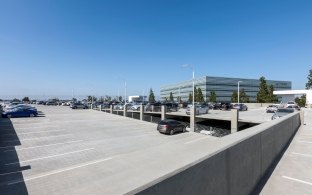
(222, 86)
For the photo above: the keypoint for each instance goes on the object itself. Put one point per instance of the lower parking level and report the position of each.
(68, 151)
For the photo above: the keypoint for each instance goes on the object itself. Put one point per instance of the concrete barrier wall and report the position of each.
(236, 167)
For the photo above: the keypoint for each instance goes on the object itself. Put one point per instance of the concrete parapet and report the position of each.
(125, 110)
(234, 166)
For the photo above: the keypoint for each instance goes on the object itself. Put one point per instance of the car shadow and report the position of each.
(11, 177)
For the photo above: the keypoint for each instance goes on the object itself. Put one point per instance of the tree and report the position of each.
(234, 97)
(213, 96)
(262, 95)
(171, 97)
(151, 97)
(309, 83)
(190, 99)
(196, 95)
(25, 99)
(120, 98)
(271, 97)
(243, 96)
(200, 96)
(91, 98)
(301, 101)
(16, 100)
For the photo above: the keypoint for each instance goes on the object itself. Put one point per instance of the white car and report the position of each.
(271, 109)
(136, 107)
(200, 109)
(291, 103)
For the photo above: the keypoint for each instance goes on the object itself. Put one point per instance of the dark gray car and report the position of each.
(170, 126)
(280, 112)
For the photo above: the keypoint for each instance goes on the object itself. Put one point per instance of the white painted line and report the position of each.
(59, 171)
(34, 132)
(195, 140)
(305, 142)
(10, 173)
(6, 147)
(16, 140)
(306, 155)
(57, 155)
(297, 180)
(18, 149)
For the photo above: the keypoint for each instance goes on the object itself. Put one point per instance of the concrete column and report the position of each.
(234, 120)
(302, 117)
(141, 112)
(192, 118)
(152, 107)
(111, 109)
(100, 107)
(91, 106)
(163, 112)
(125, 111)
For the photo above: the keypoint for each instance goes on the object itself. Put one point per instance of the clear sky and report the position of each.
(48, 48)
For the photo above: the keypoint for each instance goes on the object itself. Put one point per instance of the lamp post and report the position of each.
(193, 80)
(238, 91)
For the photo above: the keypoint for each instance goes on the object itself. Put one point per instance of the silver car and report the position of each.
(200, 109)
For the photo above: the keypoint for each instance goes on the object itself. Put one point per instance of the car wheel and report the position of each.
(9, 115)
(31, 115)
(171, 132)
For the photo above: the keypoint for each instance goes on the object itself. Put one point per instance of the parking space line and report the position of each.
(297, 180)
(16, 140)
(305, 142)
(10, 173)
(34, 132)
(189, 142)
(57, 155)
(306, 155)
(4, 147)
(18, 149)
(60, 171)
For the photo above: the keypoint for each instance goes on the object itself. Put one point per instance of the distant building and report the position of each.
(223, 87)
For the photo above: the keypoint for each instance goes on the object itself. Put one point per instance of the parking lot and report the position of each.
(68, 151)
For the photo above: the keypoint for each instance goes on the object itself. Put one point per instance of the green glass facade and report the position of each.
(223, 87)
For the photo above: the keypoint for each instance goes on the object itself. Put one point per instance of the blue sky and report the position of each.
(48, 48)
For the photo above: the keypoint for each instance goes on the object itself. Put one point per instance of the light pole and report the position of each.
(193, 80)
(238, 91)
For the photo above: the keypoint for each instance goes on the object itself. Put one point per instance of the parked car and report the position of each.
(291, 103)
(79, 105)
(20, 112)
(51, 103)
(136, 107)
(280, 112)
(153, 107)
(200, 109)
(171, 107)
(240, 107)
(170, 126)
(226, 106)
(296, 107)
(217, 106)
(21, 106)
(271, 108)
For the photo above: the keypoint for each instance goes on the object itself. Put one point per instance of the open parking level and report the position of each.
(85, 152)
